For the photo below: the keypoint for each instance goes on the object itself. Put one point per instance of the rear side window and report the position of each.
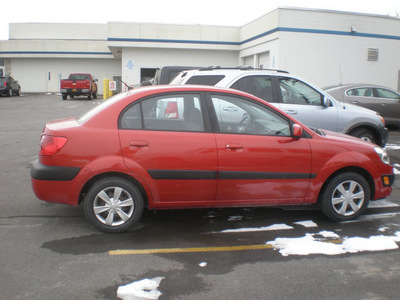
(165, 113)
(259, 86)
(362, 92)
(205, 80)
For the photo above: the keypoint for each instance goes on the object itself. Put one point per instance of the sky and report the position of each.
(205, 12)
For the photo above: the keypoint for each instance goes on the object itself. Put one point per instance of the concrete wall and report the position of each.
(57, 31)
(326, 51)
(42, 74)
(322, 46)
(133, 59)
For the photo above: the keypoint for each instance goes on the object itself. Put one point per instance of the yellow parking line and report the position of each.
(202, 249)
(188, 250)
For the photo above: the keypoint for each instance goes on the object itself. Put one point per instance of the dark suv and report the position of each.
(304, 101)
(9, 86)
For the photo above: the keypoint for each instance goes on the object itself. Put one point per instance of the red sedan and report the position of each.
(171, 147)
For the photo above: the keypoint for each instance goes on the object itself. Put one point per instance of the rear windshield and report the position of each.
(205, 80)
(79, 77)
(104, 105)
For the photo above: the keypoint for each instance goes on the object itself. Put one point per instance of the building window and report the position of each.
(373, 54)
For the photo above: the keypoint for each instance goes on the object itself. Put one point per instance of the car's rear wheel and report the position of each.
(113, 204)
(64, 96)
(345, 197)
(10, 92)
(364, 134)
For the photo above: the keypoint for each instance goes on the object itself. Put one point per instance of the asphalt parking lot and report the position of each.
(49, 251)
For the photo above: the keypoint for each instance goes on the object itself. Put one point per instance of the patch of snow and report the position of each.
(396, 168)
(383, 229)
(235, 218)
(145, 289)
(203, 264)
(311, 244)
(372, 217)
(307, 224)
(255, 229)
(382, 203)
(392, 147)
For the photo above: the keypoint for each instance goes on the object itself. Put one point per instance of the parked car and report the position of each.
(378, 98)
(128, 154)
(166, 74)
(304, 101)
(9, 86)
(78, 84)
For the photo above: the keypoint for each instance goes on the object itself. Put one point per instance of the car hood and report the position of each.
(355, 108)
(339, 138)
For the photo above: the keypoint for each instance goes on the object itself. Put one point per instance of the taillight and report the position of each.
(5, 83)
(50, 145)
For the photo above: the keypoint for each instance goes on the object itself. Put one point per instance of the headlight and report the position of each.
(383, 155)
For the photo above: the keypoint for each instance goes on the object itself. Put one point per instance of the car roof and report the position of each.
(229, 73)
(358, 85)
(150, 90)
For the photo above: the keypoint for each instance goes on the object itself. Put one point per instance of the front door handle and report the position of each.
(139, 144)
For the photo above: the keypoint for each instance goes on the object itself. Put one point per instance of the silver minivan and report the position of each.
(297, 97)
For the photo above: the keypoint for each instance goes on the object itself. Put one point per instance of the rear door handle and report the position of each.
(234, 147)
(139, 144)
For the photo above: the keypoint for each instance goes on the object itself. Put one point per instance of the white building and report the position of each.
(325, 47)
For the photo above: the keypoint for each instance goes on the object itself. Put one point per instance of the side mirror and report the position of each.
(326, 102)
(297, 131)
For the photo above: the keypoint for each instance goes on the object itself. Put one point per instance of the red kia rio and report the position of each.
(172, 147)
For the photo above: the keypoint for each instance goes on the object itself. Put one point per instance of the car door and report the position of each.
(390, 101)
(259, 162)
(165, 138)
(306, 104)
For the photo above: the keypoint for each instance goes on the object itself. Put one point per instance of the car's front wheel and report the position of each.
(365, 134)
(345, 197)
(113, 204)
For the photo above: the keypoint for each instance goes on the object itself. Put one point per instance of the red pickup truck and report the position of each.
(78, 84)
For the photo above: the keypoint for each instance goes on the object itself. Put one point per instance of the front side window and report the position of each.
(259, 86)
(384, 93)
(236, 115)
(167, 112)
(296, 92)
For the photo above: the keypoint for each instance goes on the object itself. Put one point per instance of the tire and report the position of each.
(10, 92)
(64, 96)
(345, 197)
(365, 134)
(113, 215)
